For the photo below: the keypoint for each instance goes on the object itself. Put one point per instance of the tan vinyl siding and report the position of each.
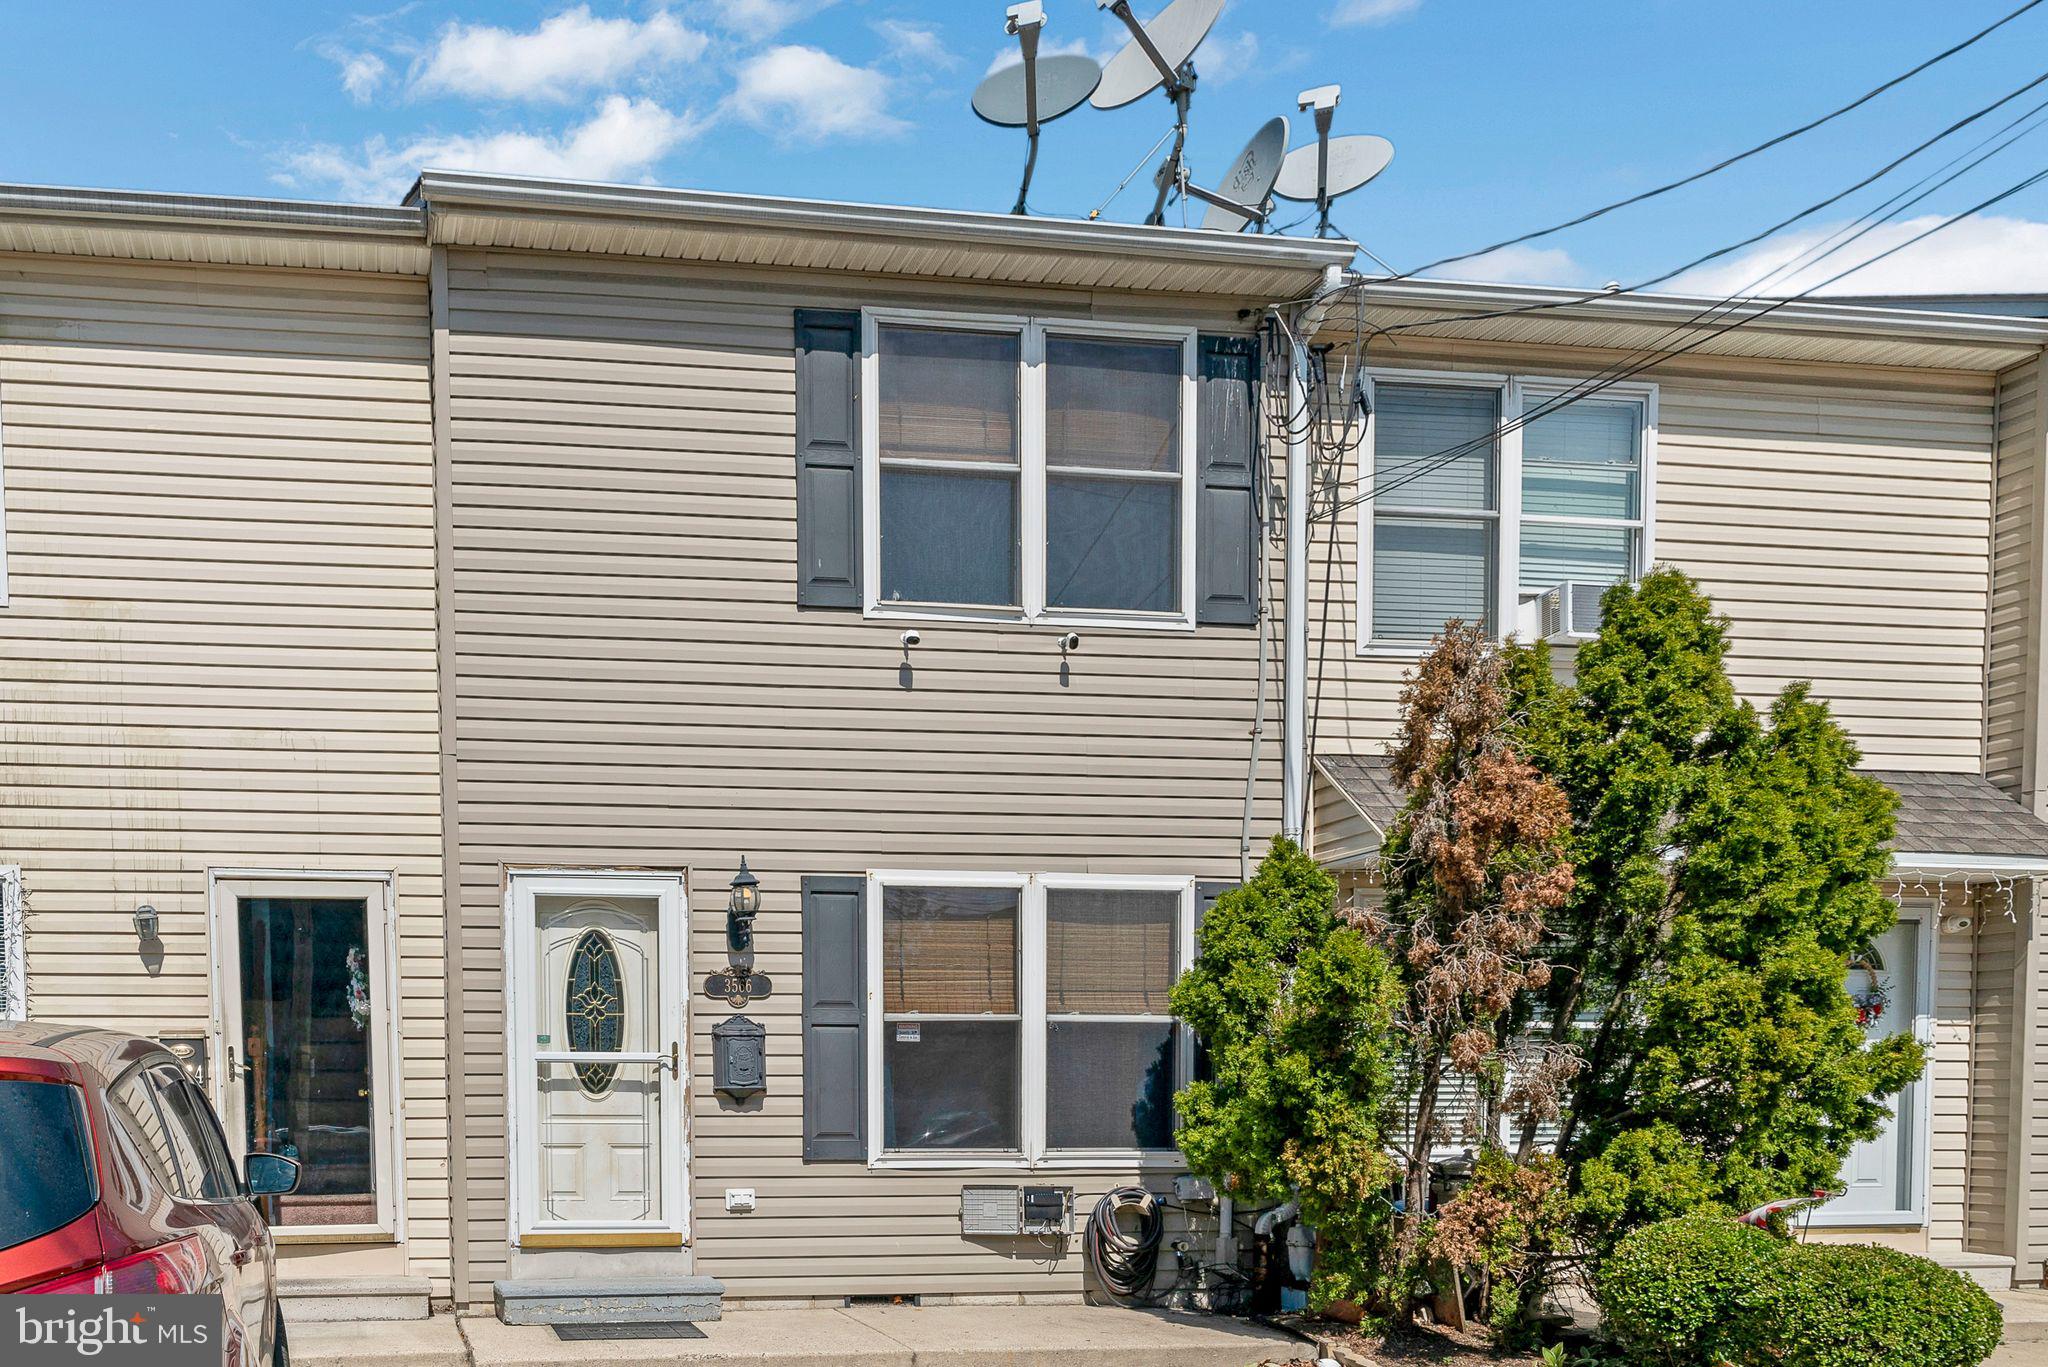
(1839, 518)
(220, 641)
(2012, 684)
(634, 685)
(1990, 1168)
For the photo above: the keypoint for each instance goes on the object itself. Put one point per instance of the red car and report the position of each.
(115, 1179)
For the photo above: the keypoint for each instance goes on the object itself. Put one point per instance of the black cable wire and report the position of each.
(1754, 238)
(1626, 370)
(1727, 162)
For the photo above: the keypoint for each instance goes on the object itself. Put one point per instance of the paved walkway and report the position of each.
(863, 1336)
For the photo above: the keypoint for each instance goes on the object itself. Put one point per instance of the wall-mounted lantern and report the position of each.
(146, 923)
(741, 907)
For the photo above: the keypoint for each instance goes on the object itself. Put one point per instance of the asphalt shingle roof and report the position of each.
(1939, 813)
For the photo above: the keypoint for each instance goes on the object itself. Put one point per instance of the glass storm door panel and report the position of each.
(1878, 1173)
(598, 1121)
(307, 1046)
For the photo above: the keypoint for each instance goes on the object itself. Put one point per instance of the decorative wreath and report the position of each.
(1876, 996)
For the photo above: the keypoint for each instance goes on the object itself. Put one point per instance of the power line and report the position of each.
(1627, 370)
(1755, 237)
(1727, 162)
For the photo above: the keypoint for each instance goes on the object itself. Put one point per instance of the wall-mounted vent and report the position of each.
(991, 1210)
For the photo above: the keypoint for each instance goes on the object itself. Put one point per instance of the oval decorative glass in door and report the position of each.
(596, 1008)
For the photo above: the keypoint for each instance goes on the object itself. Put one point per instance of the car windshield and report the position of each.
(47, 1180)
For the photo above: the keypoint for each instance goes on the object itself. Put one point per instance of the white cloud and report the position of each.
(1227, 56)
(572, 51)
(622, 139)
(761, 20)
(804, 94)
(361, 72)
(1010, 56)
(1518, 266)
(1349, 13)
(1983, 254)
(916, 44)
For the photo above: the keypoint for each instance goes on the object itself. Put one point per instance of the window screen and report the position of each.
(1112, 492)
(1435, 506)
(1110, 958)
(952, 1062)
(948, 414)
(1582, 467)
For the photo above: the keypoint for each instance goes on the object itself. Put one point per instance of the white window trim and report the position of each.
(1031, 525)
(13, 951)
(672, 928)
(1031, 983)
(379, 888)
(1514, 391)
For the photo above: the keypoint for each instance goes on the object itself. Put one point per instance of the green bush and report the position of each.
(1691, 1292)
(1849, 1305)
(1703, 1290)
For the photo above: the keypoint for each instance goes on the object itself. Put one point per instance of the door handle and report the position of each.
(234, 1069)
(675, 1059)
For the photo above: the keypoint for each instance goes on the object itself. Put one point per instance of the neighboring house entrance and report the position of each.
(302, 991)
(1885, 1176)
(599, 1059)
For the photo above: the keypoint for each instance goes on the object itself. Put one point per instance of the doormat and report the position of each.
(659, 1329)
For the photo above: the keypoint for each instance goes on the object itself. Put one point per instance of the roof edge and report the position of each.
(1808, 315)
(213, 211)
(438, 190)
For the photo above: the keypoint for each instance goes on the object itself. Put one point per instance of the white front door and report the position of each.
(599, 1056)
(1882, 1175)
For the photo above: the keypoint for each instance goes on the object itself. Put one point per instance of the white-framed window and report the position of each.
(1474, 513)
(13, 937)
(1022, 1020)
(1025, 469)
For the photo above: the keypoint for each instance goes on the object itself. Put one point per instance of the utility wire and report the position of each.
(1727, 162)
(1753, 238)
(1626, 370)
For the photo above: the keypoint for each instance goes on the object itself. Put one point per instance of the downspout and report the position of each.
(1300, 331)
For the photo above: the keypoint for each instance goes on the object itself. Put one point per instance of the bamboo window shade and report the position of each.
(949, 951)
(1109, 952)
(949, 395)
(1112, 405)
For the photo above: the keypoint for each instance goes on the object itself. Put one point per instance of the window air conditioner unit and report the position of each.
(1570, 613)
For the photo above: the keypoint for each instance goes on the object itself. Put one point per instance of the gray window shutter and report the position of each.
(1227, 443)
(835, 1002)
(827, 458)
(1205, 897)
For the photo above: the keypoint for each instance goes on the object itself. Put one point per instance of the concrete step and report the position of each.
(341, 1300)
(1992, 1271)
(2026, 1314)
(609, 1300)
(432, 1342)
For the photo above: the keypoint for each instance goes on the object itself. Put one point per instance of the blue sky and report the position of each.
(1506, 114)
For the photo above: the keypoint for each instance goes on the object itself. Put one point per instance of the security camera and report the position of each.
(911, 638)
(1070, 643)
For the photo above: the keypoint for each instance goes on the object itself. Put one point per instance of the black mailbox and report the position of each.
(739, 1058)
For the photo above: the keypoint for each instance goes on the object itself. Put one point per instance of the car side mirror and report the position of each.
(271, 1174)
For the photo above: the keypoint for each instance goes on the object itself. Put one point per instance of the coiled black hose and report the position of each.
(1125, 1264)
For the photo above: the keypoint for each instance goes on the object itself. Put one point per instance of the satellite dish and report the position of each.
(1033, 92)
(1329, 167)
(1352, 162)
(1063, 84)
(1240, 197)
(1156, 50)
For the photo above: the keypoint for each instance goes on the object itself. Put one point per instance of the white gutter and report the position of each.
(1806, 315)
(442, 191)
(212, 211)
(2017, 865)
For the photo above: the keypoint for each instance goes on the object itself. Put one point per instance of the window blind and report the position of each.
(949, 951)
